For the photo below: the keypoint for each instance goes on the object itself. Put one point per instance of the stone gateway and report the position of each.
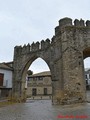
(64, 54)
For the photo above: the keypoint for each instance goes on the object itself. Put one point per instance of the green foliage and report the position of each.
(29, 72)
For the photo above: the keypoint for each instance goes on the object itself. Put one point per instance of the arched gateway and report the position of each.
(64, 55)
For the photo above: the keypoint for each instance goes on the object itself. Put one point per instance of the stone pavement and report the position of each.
(43, 110)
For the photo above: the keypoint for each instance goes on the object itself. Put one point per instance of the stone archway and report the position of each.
(64, 55)
(28, 64)
(23, 59)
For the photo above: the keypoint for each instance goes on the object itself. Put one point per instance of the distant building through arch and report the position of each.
(39, 85)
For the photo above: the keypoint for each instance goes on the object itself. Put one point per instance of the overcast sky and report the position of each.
(25, 21)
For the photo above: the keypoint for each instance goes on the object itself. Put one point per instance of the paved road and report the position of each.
(43, 110)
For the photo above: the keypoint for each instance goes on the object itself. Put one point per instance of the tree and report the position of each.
(29, 72)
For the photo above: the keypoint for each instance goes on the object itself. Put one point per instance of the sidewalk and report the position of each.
(40, 98)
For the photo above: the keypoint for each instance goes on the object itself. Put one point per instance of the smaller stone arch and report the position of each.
(24, 64)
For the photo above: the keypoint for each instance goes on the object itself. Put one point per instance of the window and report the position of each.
(1, 79)
(86, 82)
(40, 78)
(45, 91)
(34, 91)
(34, 78)
(85, 76)
(29, 79)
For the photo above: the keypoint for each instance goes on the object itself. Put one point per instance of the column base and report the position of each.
(63, 97)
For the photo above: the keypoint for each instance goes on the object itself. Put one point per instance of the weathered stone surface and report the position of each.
(64, 56)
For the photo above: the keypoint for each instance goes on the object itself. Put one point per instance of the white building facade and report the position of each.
(87, 78)
(6, 73)
(7, 80)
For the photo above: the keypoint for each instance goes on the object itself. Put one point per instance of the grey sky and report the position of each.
(25, 21)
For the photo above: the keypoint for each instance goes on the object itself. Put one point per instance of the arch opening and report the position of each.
(86, 57)
(39, 65)
(38, 83)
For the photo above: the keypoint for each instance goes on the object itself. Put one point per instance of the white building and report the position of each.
(87, 78)
(6, 72)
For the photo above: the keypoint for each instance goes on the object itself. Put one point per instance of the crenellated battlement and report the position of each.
(33, 47)
(44, 44)
(68, 22)
(65, 22)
